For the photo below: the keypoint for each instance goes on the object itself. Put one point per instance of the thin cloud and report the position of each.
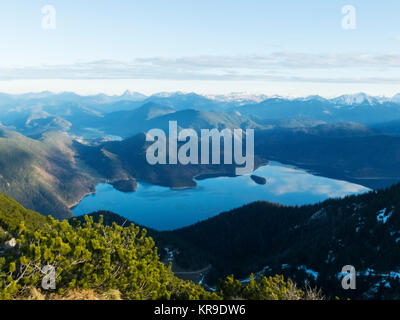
(278, 66)
(279, 60)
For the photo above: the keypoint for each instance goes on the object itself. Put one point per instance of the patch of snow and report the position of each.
(367, 272)
(244, 97)
(330, 257)
(354, 99)
(394, 275)
(318, 215)
(260, 273)
(310, 272)
(170, 254)
(376, 286)
(383, 215)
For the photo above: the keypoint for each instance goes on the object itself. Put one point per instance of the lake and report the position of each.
(162, 208)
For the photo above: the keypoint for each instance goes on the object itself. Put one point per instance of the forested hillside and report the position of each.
(42, 174)
(310, 243)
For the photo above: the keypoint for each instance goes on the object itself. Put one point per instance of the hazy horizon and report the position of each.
(234, 94)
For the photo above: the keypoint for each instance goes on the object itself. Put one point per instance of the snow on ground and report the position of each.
(170, 254)
(383, 215)
(310, 272)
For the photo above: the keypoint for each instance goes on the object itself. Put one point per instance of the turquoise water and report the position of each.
(162, 208)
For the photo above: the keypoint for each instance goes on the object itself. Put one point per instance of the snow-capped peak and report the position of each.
(396, 98)
(239, 97)
(355, 99)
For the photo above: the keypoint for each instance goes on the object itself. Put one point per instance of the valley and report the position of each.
(323, 193)
(304, 136)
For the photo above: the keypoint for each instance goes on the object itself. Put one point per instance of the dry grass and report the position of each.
(89, 294)
(308, 293)
(313, 294)
(36, 294)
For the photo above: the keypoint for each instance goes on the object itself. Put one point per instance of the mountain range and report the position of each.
(32, 113)
(69, 143)
(55, 148)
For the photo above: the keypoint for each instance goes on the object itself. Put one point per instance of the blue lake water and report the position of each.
(162, 208)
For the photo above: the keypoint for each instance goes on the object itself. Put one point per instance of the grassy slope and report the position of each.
(12, 214)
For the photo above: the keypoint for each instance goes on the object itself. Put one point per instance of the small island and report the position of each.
(127, 185)
(258, 180)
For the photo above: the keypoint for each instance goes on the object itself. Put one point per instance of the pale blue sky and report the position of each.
(287, 47)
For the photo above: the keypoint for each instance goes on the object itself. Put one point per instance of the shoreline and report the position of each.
(75, 204)
(198, 177)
